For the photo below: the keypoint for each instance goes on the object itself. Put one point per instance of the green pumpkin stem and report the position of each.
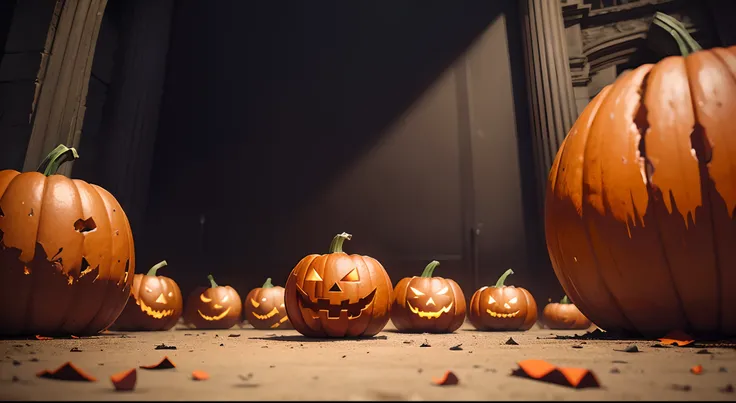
(565, 300)
(212, 281)
(337, 241)
(154, 269)
(429, 270)
(502, 279)
(268, 283)
(685, 41)
(59, 155)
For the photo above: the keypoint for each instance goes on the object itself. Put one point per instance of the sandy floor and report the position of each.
(392, 366)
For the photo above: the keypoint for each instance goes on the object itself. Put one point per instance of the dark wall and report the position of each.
(400, 122)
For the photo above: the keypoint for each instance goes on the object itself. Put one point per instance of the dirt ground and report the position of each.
(268, 365)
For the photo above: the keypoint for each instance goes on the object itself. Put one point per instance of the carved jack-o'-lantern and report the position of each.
(265, 309)
(155, 303)
(338, 295)
(217, 307)
(428, 304)
(502, 307)
(66, 252)
(564, 315)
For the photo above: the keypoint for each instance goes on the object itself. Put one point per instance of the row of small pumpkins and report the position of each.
(336, 295)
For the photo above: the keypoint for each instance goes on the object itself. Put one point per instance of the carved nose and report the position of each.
(335, 288)
(430, 301)
(161, 299)
(507, 306)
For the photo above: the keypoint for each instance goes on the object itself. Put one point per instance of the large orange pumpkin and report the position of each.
(641, 199)
(66, 252)
(338, 295)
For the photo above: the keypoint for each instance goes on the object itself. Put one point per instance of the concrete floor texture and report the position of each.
(249, 364)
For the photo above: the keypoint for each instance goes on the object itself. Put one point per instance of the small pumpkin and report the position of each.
(66, 252)
(216, 307)
(564, 315)
(264, 307)
(338, 295)
(428, 304)
(502, 307)
(155, 303)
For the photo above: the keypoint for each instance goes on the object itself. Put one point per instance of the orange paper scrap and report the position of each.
(164, 364)
(200, 376)
(449, 378)
(677, 338)
(543, 371)
(697, 370)
(67, 372)
(125, 380)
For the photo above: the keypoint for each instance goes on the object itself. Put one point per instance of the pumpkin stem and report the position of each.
(565, 300)
(502, 279)
(685, 41)
(154, 269)
(212, 281)
(429, 270)
(59, 155)
(337, 241)
(268, 283)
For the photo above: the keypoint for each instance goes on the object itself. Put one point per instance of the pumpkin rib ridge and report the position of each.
(644, 110)
(29, 302)
(586, 224)
(129, 273)
(14, 174)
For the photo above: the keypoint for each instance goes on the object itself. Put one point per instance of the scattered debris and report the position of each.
(344, 356)
(165, 363)
(543, 371)
(163, 346)
(187, 334)
(683, 388)
(233, 335)
(511, 342)
(492, 370)
(75, 350)
(425, 344)
(217, 335)
(659, 345)
(16, 363)
(18, 345)
(583, 342)
(697, 370)
(615, 371)
(619, 362)
(420, 370)
(39, 337)
(726, 389)
(125, 381)
(407, 341)
(191, 351)
(476, 366)
(703, 351)
(101, 364)
(33, 359)
(577, 346)
(677, 338)
(630, 349)
(272, 366)
(245, 377)
(722, 369)
(448, 379)
(222, 344)
(200, 376)
(16, 379)
(67, 372)
(456, 348)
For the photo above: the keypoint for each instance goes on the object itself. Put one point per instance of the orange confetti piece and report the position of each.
(39, 337)
(449, 378)
(200, 376)
(165, 363)
(67, 372)
(697, 370)
(677, 338)
(541, 370)
(125, 380)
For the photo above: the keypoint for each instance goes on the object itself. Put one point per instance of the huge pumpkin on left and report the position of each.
(66, 252)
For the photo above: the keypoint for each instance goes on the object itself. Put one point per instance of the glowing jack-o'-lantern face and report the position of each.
(155, 303)
(502, 307)
(338, 295)
(217, 307)
(428, 304)
(265, 308)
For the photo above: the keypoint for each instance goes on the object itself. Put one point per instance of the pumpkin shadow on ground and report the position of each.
(293, 338)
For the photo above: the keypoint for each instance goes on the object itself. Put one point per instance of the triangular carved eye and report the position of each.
(313, 275)
(352, 276)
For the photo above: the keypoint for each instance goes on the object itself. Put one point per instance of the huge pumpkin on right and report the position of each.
(641, 199)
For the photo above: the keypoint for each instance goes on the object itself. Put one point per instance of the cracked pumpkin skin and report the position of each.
(428, 304)
(66, 252)
(155, 303)
(216, 307)
(502, 307)
(640, 211)
(265, 309)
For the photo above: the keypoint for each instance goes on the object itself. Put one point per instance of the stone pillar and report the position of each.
(62, 74)
(551, 97)
(131, 112)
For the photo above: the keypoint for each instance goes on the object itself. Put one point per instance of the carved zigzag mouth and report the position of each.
(277, 324)
(502, 315)
(218, 317)
(333, 310)
(269, 315)
(430, 314)
(154, 313)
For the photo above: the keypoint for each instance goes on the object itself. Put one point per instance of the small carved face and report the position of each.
(265, 309)
(214, 308)
(430, 304)
(503, 308)
(507, 305)
(157, 298)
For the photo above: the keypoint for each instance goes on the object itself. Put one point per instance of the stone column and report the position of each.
(551, 97)
(131, 113)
